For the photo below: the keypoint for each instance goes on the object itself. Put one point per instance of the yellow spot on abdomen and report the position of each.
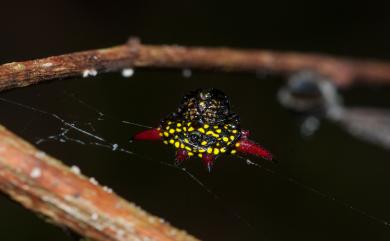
(177, 144)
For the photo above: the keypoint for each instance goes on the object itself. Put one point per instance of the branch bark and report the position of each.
(44, 185)
(342, 71)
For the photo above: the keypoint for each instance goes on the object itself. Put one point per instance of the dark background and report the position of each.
(252, 204)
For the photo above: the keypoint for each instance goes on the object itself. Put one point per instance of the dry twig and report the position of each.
(44, 185)
(342, 71)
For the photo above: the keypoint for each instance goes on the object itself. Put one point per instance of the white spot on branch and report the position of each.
(93, 181)
(47, 65)
(107, 189)
(94, 216)
(35, 172)
(89, 72)
(128, 72)
(40, 155)
(75, 169)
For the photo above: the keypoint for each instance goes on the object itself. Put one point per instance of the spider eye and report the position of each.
(204, 95)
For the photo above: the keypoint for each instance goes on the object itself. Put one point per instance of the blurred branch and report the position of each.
(342, 71)
(44, 185)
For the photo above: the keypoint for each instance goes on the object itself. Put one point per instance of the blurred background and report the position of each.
(236, 201)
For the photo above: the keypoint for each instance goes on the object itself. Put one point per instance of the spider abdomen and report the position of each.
(200, 139)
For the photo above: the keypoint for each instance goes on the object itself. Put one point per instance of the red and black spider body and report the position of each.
(204, 125)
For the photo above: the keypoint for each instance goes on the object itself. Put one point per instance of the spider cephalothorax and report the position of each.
(205, 107)
(203, 125)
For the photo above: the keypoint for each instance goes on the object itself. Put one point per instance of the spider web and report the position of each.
(85, 133)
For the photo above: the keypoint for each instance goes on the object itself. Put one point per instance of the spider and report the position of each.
(204, 126)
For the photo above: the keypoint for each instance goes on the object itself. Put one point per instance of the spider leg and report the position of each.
(148, 135)
(181, 155)
(249, 147)
(208, 161)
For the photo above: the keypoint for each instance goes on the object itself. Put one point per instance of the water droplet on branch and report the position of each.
(128, 72)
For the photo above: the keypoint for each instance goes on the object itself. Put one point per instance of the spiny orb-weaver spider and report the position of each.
(203, 125)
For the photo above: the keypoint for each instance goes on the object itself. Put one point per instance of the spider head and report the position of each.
(206, 106)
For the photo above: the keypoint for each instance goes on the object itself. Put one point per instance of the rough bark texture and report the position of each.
(342, 71)
(44, 185)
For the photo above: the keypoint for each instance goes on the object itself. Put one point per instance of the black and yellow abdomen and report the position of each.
(198, 138)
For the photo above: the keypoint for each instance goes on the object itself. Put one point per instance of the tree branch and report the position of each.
(342, 71)
(44, 185)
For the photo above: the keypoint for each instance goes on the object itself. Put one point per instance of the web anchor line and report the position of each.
(319, 193)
